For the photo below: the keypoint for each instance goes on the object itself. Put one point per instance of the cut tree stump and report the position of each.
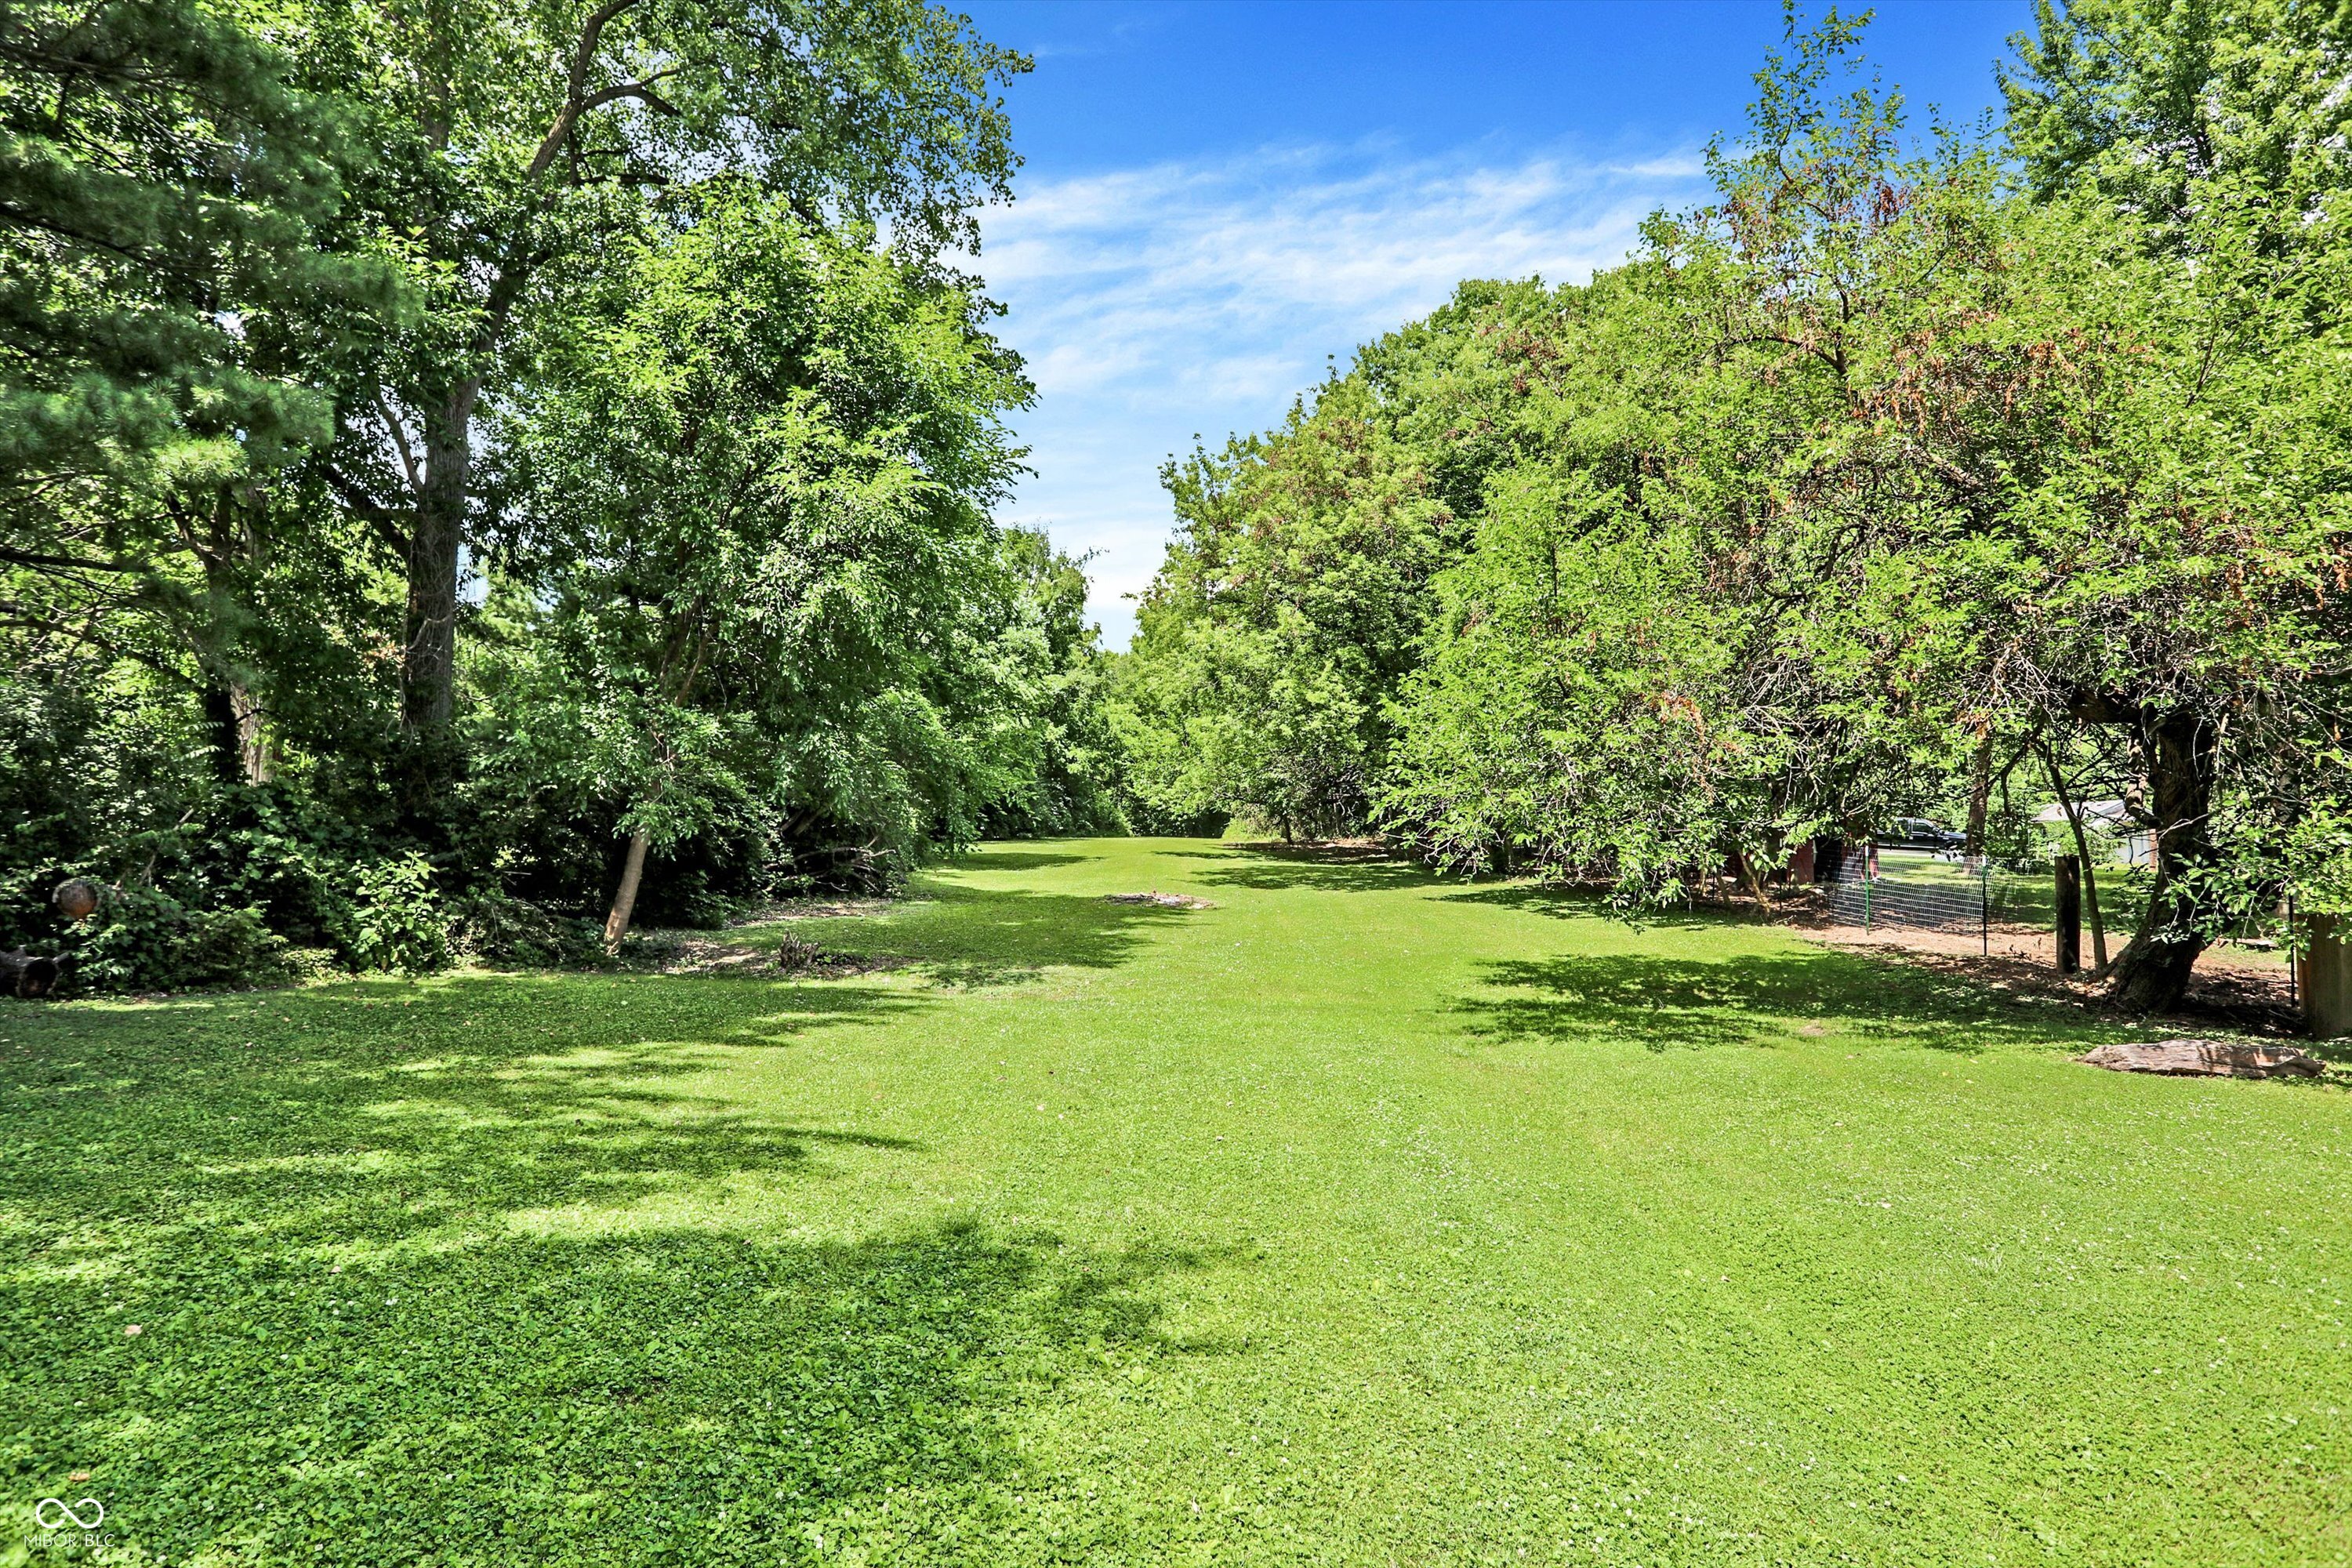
(1165, 900)
(76, 898)
(2207, 1058)
(25, 976)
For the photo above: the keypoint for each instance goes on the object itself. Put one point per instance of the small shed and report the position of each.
(2110, 818)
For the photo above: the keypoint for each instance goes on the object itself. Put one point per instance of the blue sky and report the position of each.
(1218, 195)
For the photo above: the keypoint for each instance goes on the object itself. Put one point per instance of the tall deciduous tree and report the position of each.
(1863, 480)
(1294, 598)
(754, 501)
(519, 143)
(2145, 103)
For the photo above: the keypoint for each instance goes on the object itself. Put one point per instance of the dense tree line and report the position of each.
(472, 473)
(1912, 470)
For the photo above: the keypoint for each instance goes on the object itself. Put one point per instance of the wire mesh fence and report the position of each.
(1923, 890)
(1945, 902)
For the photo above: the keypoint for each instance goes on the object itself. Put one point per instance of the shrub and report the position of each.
(142, 939)
(492, 926)
(397, 919)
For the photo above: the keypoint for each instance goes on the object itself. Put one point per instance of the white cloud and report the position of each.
(1156, 302)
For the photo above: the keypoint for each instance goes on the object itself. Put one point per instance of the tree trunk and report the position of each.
(1979, 796)
(232, 558)
(1754, 876)
(429, 659)
(624, 896)
(222, 741)
(253, 753)
(2151, 973)
(2091, 905)
(2082, 854)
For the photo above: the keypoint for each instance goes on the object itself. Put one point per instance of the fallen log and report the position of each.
(2205, 1059)
(24, 976)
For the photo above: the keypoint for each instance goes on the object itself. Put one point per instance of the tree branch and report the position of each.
(2089, 706)
(364, 505)
(591, 33)
(578, 102)
(67, 562)
(21, 616)
(399, 438)
(569, 120)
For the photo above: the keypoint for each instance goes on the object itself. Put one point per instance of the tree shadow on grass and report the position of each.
(1315, 868)
(960, 935)
(1667, 1003)
(669, 1393)
(1557, 902)
(371, 1114)
(359, 1335)
(995, 860)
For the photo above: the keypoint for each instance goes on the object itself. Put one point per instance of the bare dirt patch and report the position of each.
(2229, 989)
(688, 953)
(819, 909)
(1164, 900)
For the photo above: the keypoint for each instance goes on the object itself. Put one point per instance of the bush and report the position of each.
(495, 927)
(142, 939)
(397, 920)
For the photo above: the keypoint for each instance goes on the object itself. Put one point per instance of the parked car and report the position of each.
(1918, 833)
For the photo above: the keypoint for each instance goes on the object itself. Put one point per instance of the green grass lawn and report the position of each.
(1361, 1219)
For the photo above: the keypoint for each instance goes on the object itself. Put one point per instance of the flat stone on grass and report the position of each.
(2205, 1059)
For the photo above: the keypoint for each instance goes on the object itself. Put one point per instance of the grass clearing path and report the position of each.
(1361, 1218)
